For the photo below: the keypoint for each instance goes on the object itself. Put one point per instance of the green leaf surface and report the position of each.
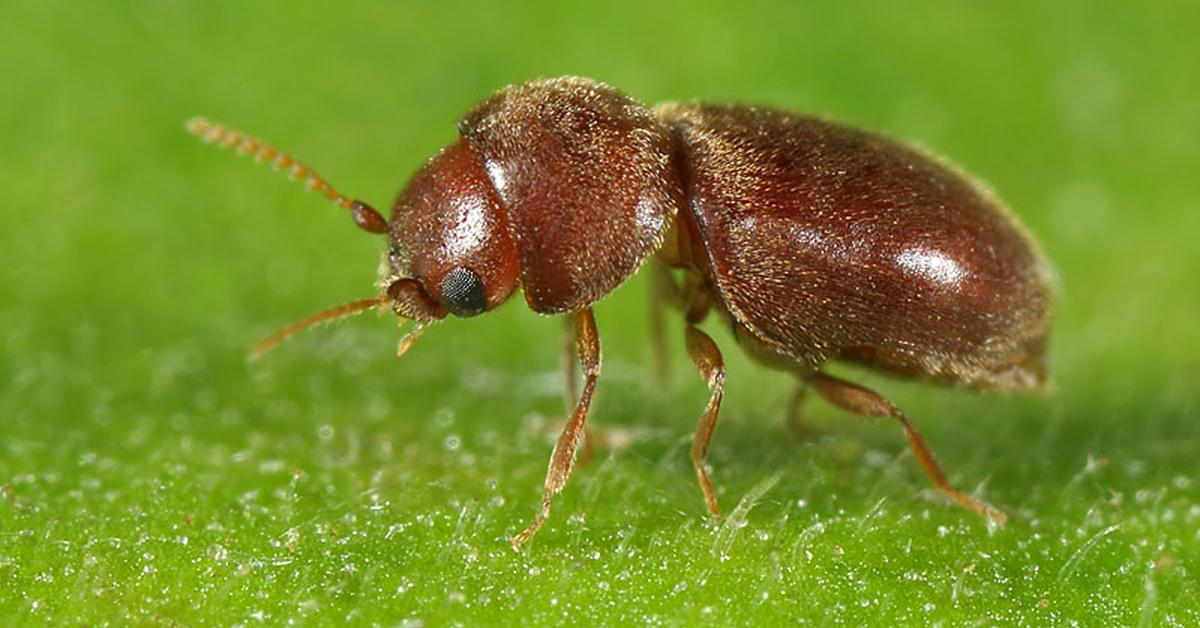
(149, 474)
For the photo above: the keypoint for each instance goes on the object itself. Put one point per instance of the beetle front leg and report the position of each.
(866, 402)
(571, 388)
(707, 358)
(562, 459)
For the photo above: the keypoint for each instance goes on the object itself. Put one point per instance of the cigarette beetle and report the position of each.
(815, 242)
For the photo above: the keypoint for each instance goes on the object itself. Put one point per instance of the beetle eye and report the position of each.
(462, 292)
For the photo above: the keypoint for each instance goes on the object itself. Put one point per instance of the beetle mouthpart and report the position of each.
(410, 300)
(407, 341)
(324, 316)
(365, 216)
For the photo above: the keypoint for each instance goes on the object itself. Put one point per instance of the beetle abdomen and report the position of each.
(825, 242)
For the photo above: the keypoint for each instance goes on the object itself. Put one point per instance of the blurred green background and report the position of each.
(150, 474)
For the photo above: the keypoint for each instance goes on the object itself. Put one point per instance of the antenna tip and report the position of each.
(197, 125)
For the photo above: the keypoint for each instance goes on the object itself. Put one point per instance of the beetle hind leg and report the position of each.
(865, 402)
(707, 358)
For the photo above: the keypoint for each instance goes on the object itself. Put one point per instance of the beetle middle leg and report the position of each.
(664, 292)
(694, 300)
(707, 358)
(865, 402)
(562, 459)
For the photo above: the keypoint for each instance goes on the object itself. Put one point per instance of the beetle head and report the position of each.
(451, 248)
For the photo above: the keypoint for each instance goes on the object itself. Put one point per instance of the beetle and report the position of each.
(815, 242)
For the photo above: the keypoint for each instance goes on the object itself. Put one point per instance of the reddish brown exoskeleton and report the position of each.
(815, 242)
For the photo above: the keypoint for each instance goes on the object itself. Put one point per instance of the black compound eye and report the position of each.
(462, 292)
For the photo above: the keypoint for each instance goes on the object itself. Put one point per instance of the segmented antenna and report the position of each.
(211, 132)
(332, 314)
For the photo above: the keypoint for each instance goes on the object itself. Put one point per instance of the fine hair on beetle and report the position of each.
(815, 243)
